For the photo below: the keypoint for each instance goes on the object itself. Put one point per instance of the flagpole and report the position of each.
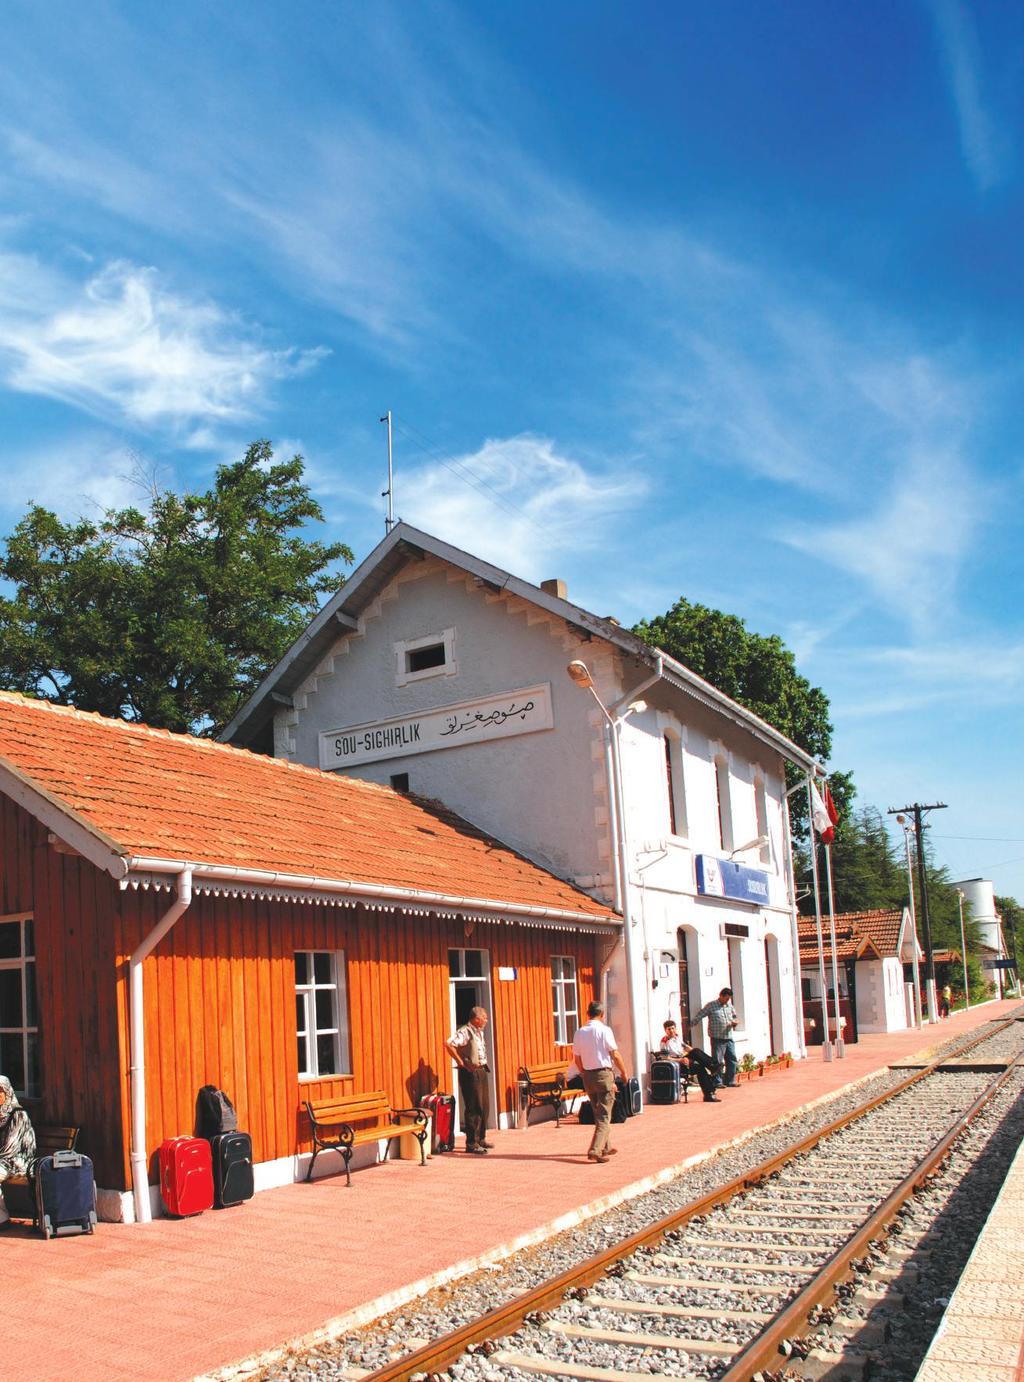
(840, 1044)
(827, 1044)
(801, 1044)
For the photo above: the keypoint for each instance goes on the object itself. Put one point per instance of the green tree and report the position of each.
(169, 614)
(760, 673)
(868, 871)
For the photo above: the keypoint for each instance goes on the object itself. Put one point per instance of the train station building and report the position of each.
(602, 760)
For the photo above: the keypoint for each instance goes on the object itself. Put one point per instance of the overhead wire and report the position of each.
(461, 470)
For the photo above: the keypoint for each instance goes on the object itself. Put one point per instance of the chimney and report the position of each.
(554, 587)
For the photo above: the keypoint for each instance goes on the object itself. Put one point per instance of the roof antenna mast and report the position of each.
(388, 494)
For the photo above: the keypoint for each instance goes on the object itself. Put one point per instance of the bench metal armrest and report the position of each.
(416, 1114)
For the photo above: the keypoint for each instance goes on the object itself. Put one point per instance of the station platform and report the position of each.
(180, 1299)
(981, 1336)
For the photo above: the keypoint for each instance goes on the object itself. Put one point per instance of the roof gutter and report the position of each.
(333, 886)
(137, 1025)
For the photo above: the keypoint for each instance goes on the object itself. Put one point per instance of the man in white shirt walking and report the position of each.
(596, 1053)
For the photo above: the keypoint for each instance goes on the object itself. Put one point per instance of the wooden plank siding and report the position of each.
(220, 1000)
(72, 905)
(232, 960)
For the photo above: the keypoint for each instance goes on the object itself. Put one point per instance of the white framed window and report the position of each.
(675, 783)
(564, 998)
(433, 655)
(19, 1017)
(761, 810)
(723, 799)
(321, 1014)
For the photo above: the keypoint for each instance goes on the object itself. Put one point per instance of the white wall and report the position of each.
(545, 793)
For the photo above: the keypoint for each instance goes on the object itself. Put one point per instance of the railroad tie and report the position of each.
(779, 1268)
(736, 1224)
(683, 1312)
(692, 1284)
(826, 1216)
(552, 1367)
(621, 1336)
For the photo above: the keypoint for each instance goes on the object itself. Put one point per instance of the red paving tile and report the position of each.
(172, 1300)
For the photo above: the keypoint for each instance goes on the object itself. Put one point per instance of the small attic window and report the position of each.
(430, 656)
(420, 659)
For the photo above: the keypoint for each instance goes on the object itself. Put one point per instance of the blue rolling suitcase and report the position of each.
(232, 1168)
(666, 1082)
(65, 1193)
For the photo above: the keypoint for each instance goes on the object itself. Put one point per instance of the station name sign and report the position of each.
(997, 964)
(469, 722)
(723, 878)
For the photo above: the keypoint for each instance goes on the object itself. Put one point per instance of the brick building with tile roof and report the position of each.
(324, 934)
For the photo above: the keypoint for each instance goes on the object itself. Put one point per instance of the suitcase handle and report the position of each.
(66, 1158)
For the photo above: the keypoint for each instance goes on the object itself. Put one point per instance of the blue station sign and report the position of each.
(723, 878)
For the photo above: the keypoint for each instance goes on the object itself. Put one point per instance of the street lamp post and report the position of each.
(579, 673)
(963, 950)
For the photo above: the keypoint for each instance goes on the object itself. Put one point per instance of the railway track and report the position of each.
(725, 1288)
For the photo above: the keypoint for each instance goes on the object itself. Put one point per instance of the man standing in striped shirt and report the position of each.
(722, 1022)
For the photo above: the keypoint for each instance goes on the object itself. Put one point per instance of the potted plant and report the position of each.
(746, 1068)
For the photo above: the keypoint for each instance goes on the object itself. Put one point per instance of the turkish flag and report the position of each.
(824, 814)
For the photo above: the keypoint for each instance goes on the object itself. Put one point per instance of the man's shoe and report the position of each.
(610, 1151)
(712, 1099)
(477, 1151)
(487, 1146)
(731, 1085)
(596, 1156)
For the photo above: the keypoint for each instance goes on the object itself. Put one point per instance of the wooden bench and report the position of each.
(19, 1192)
(544, 1086)
(341, 1125)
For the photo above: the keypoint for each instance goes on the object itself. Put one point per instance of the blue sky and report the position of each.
(723, 301)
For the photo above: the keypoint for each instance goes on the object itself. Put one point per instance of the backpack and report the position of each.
(215, 1113)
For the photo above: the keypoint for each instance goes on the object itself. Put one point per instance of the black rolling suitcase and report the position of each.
(65, 1193)
(666, 1082)
(627, 1099)
(232, 1168)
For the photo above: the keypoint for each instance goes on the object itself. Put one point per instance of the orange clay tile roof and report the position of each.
(173, 796)
(850, 943)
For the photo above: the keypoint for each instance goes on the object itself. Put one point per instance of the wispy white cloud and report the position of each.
(522, 500)
(76, 475)
(963, 676)
(981, 141)
(122, 344)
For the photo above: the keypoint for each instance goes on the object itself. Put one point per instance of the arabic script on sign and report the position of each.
(455, 725)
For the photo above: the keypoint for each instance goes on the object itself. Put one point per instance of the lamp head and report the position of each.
(758, 843)
(901, 820)
(579, 672)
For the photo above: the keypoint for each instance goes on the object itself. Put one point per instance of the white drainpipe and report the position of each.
(137, 1023)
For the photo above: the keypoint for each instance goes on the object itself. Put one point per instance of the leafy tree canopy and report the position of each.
(170, 614)
(759, 673)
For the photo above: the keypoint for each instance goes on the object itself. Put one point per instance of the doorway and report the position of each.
(469, 986)
(686, 948)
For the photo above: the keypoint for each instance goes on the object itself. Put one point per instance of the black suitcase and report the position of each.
(619, 1114)
(232, 1168)
(65, 1193)
(666, 1082)
(627, 1098)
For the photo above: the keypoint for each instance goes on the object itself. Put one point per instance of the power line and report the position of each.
(985, 839)
(462, 471)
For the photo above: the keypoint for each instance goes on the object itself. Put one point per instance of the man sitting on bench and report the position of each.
(17, 1140)
(692, 1058)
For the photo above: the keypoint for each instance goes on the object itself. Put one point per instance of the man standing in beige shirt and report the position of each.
(596, 1053)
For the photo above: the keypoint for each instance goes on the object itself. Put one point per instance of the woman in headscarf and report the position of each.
(17, 1140)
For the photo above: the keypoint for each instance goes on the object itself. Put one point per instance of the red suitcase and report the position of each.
(441, 1108)
(186, 1175)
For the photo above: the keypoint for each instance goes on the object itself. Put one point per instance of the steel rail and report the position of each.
(764, 1350)
(507, 1318)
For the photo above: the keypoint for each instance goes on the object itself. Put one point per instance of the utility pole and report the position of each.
(389, 521)
(918, 810)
